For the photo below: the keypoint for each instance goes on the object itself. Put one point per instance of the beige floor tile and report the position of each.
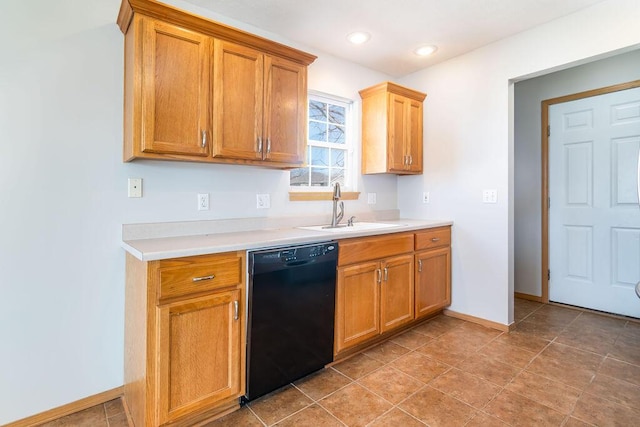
(322, 383)
(523, 308)
(412, 340)
(114, 407)
(242, 417)
(396, 418)
(435, 408)
(451, 350)
(312, 416)
(553, 314)
(119, 420)
(539, 330)
(632, 331)
(619, 391)
(620, 370)
(525, 341)
(604, 413)
(358, 366)
(589, 339)
(627, 348)
(469, 388)
(479, 332)
(518, 410)
(569, 365)
(574, 422)
(386, 352)
(593, 321)
(550, 393)
(490, 369)
(485, 420)
(509, 354)
(419, 366)
(355, 405)
(391, 384)
(438, 326)
(279, 404)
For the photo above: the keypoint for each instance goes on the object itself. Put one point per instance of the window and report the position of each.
(329, 149)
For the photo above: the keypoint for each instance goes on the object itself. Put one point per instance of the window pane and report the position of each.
(319, 156)
(336, 114)
(337, 175)
(317, 131)
(317, 111)
(336, 134)
(299, 177)
(319, 177)
(337, 158)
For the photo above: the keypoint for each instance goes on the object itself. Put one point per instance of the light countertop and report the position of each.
(150, 249)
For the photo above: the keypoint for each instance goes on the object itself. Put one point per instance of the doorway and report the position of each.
(590, 214)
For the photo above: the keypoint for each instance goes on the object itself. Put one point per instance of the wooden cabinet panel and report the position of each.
(357, 304)
(391, 129)
(175, 90)
(199, 358)
(369, 248)
(238, 101)
(433, 238)
(396, 301)
(193, 275)
(285, 111)
(433, 281)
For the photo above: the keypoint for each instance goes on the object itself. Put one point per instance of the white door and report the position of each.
(594, 217)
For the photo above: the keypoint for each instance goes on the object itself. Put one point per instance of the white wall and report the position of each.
(63, 197)
(528, 96)
(469, 143)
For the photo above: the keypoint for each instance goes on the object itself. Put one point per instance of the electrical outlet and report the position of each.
(425, 197)
(263, 201)
(371, 198)
(203, 202)
(135, 187)
(490, 196)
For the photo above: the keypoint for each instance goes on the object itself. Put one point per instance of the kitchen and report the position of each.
(61, 80)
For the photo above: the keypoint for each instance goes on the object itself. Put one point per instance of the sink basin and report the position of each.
(357, 226)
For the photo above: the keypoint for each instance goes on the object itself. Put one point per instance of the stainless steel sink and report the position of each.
(357, 226)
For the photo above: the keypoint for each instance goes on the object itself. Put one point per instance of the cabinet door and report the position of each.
(285, 111)
(175, 90)
(357, 304)
(200, 359)
(433, 281)
(396, 292)
(414, 136)
(238, 101)
(397, 156)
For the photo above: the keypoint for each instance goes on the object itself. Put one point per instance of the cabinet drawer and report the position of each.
(190, 275)
(369, 248)
(433, 238)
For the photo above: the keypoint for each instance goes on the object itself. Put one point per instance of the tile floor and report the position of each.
(110, 414)
(559, 367)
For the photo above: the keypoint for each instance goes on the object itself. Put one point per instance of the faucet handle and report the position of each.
(350, 221)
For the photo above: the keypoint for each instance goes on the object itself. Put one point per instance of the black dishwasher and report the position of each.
(291, 314)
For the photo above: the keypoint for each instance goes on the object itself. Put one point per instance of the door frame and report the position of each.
(544, 201)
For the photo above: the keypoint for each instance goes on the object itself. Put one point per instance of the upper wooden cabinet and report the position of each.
(259, 105)
(197, 90)
(391, 129)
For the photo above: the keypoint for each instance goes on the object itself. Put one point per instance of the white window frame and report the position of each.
(349, 171)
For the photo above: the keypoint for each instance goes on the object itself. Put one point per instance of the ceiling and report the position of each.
(397, 27)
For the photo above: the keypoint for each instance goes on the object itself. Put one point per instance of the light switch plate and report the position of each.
(425, 197)
(135, 187)
(263, 201)
(490, 196)
(203, 201)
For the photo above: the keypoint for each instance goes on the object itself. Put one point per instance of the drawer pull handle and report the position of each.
(236, 313)
(204, 139)
(200, 279)
(259, 149)
(419, 266)
(379, 275)
(386, 274)
(435, 239)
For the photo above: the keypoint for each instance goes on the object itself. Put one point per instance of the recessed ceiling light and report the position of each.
(358, 37)
(425, 50)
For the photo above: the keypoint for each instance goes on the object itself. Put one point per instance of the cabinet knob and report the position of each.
(200, 279)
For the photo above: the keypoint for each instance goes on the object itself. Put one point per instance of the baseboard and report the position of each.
(69, 408)
(479, 321)
(527, 297)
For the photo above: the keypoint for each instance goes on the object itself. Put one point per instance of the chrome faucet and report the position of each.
(335, 217)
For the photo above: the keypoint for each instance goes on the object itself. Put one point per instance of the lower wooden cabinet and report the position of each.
(373, 294)
(184, 337)
(433, 271)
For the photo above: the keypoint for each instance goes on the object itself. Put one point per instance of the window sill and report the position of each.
(305, 196)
